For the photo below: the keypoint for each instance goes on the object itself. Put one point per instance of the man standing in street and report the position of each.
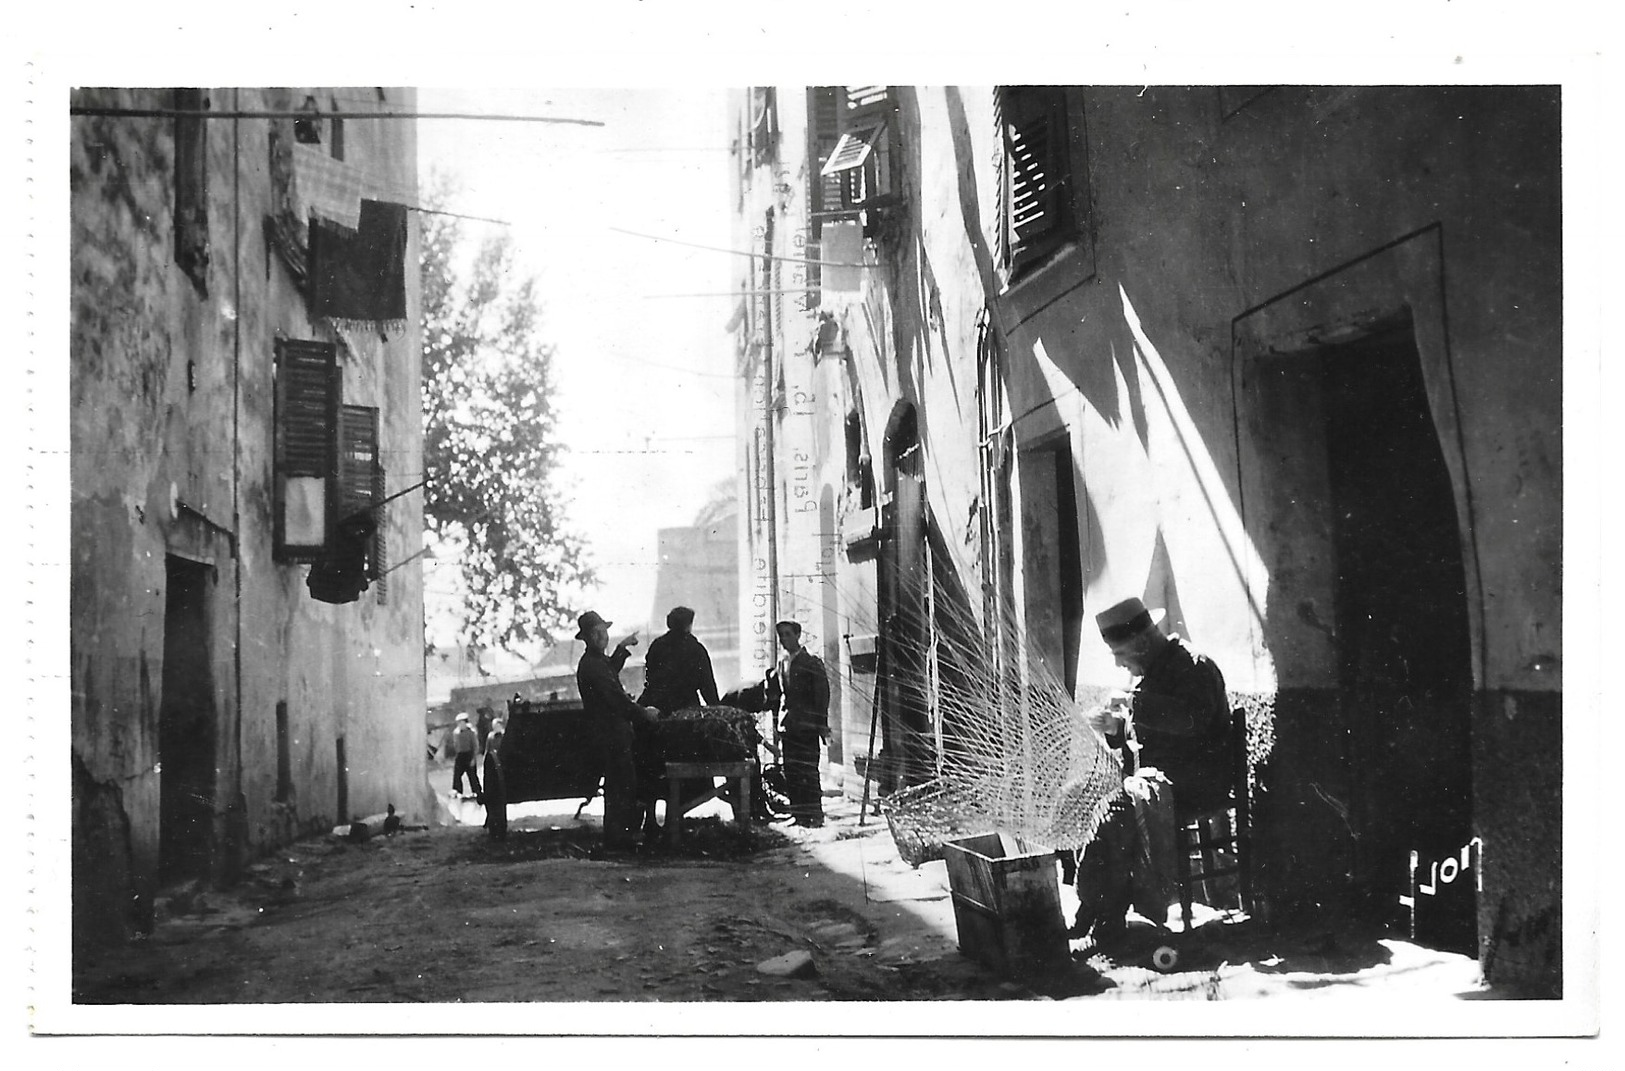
(464, 743)
(677, 669)
(801, 690)
(603, 698)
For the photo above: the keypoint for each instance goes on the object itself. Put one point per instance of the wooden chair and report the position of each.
(1215, 836)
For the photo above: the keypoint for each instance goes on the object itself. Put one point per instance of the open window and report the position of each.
(351, 561)
(858, 170)
(306, 449)
(359, 473)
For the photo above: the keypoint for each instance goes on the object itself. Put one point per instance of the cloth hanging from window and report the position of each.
(360, 274)
(329, 188)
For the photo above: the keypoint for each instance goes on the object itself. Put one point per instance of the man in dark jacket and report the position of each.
(677, 670)
(1179, 710)
(1178, 714)
(602, 697)
(801, 690)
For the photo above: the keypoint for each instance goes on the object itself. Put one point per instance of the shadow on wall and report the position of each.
(1096, 381)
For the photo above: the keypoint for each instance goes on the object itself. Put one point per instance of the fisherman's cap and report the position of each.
(589, 621)
(1127, 619)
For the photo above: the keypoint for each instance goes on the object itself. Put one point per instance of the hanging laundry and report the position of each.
(328, 188)
(360, 274)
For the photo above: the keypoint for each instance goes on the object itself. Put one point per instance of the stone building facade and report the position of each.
(1284, 361)
(223, 434)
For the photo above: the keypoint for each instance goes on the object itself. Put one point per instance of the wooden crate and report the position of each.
(1007, 905)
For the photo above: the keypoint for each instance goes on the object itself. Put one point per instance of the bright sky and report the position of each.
(645, 389)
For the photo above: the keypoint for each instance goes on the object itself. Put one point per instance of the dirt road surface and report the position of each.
(447, 915)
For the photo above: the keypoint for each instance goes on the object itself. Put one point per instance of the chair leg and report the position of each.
(674, 811)
(1182, 865)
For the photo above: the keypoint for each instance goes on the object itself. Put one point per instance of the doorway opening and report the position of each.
(186, 725)
(1403, 643)
(1053, 558)
(907, 755)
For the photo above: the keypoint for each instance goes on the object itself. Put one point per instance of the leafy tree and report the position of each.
(489, 450)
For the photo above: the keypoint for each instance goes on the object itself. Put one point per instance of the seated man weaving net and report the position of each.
(1170, 731)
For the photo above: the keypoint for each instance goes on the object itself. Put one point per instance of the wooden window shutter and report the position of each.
(192, 188)
(358, 461)
(378, 567)
(1001, 185)
(306, 449)
(857, 169)
(1035, 216)
(823, 194)
(862, 101)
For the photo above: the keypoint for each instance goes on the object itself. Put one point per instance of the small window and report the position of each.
(852, 135)
(1036, 199)
(305, 450)
(192, 187)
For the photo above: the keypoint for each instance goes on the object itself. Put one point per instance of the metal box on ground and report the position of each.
(1007, 904)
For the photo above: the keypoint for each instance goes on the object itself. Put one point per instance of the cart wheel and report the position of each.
(776, 790)
(496, 798)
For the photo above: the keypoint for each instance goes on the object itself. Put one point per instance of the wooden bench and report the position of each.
(676, 807)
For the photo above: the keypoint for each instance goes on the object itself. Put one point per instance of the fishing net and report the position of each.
(1013, 755)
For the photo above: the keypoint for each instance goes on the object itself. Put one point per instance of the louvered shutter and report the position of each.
(1001, 185)
(1036, 216)
(305, 454)
(358, 457)
(378, 567)
(862, 98)
(823, 193)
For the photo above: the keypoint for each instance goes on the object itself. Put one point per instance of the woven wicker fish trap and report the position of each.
(923, 816)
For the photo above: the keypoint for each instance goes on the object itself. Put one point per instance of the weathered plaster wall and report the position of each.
(1226, 228)
(171, 402)
(1199, 219)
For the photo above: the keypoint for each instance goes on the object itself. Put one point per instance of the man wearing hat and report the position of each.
(465, 742)
(598, 675)
(1174, 720)
(1179, 712)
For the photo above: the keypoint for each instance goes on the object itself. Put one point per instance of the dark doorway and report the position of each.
(1403, 640)
(907, 755)
(186, 725)
(1053, 558)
